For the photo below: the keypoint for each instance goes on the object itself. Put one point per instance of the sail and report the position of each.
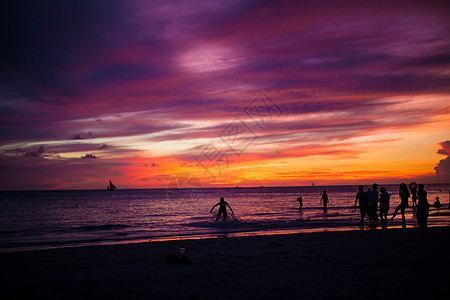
(111, 186)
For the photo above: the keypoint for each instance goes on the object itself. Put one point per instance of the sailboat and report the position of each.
(111, 186)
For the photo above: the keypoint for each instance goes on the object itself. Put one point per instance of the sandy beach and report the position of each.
(410, 264)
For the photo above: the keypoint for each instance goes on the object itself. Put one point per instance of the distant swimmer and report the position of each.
(222, 209)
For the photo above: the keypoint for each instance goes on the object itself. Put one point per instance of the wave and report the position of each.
(252, 224)
(100, 227)
(321, 207)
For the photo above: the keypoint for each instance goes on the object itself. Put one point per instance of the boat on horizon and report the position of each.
(111, 186)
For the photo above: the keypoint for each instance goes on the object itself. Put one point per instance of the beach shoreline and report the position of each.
(344, 264)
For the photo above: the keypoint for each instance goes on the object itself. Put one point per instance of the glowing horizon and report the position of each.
(232, 92)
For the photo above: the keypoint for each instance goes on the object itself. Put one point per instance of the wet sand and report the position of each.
(406, 264)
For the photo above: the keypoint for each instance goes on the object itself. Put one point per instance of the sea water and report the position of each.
(54, 219)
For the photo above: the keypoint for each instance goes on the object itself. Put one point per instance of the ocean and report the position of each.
(32, 220)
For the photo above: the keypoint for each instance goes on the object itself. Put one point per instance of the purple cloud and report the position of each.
(445, 148)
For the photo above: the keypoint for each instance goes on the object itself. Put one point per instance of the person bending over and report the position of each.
(222, 209)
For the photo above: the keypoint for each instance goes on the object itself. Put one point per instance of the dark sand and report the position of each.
(401, 264)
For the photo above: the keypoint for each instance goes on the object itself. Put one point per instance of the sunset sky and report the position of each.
(248, 93)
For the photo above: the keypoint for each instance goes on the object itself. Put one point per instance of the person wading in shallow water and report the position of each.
(222, 209)
(403, 193)
(423, 208)
(373, 206)
(363, 204)
(324, 199)
(300, 201)
(384, 206)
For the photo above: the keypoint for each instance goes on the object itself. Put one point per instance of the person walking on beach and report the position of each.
(423, 208)
(300, 201)
(403, 193)
(363, 204)
(324, 199)
(222, 209)
(373, 206)
(384, 206)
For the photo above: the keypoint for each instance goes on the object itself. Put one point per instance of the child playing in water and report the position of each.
(222, 209)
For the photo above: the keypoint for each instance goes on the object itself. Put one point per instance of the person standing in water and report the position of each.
(403, 193)
(413, 188)
(423, 208)
(363, 204)
(222, 209)
(373, 206)
(300, 201)
(324, 199)
(384, 206)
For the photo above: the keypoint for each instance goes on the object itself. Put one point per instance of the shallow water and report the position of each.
(46, 219)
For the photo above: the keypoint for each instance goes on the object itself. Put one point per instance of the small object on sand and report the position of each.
(183, 259)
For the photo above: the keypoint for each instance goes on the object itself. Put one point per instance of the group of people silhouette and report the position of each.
(374, 204)
(370, 201)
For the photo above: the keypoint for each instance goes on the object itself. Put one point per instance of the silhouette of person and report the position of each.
(363, 204)
(403, 193)
(300, 201)
(373, 206)
(437, 203)
(222, 209)
(423, 208)
(384, 206)
(324, 199)
(413, 188)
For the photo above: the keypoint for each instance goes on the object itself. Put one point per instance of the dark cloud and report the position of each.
(443, 166)
(445, 148)
(48, 43)
(443, 169)
(35, 153)
(124, 73)
(77, 137)
(89, 156)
